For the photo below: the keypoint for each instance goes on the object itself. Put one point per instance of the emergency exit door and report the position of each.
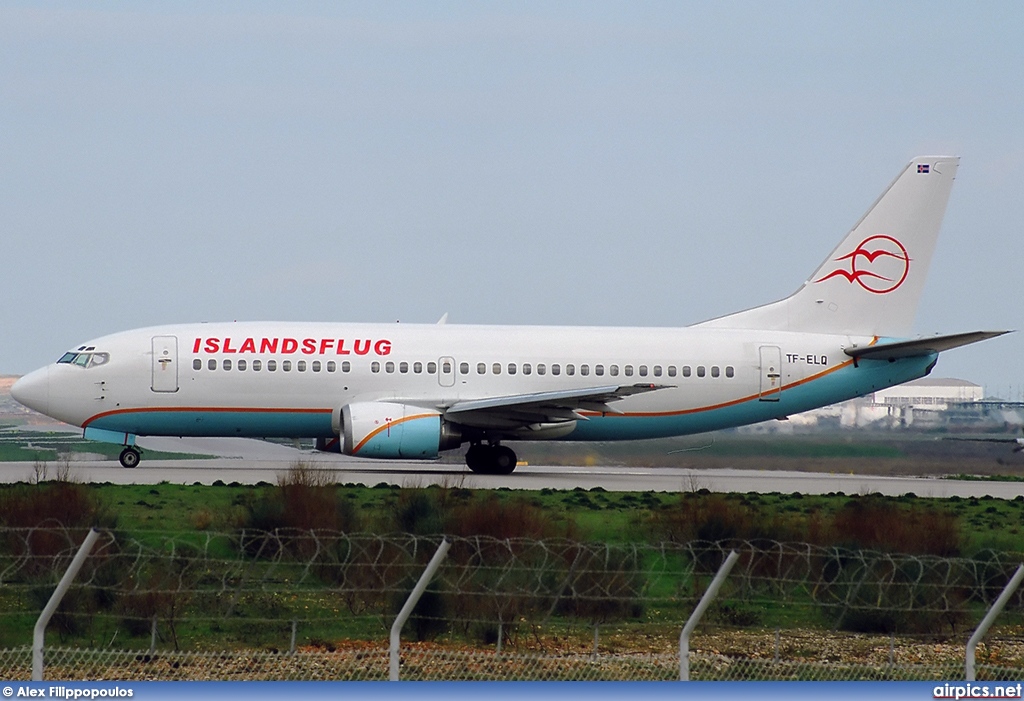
(771, 374)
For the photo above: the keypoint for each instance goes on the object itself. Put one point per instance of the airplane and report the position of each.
(411, 391)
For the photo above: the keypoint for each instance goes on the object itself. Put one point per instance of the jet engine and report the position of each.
(389, 430)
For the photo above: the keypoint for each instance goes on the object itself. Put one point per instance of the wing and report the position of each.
(520, 410)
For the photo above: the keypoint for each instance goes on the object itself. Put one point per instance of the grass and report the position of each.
(140, 511)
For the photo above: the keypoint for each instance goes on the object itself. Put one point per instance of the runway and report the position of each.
(530, 477)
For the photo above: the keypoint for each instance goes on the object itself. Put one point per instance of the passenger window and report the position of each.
(511, 368)
(496, 368)
(332, 366)
(527, 368)
(464, 368)
(374, 366)
(257, 365)
(715, 371)
(403, 367)
(226, 364)
(541, 368)
(570, 369)
(197, 364)
(346, 366)
(431, 368)
(700, 371)
(599, 370)
(643, 371)
(389, 367)
(628, 371)
(316, 366)
(584, 369)
(417, 367)
(211, 364)
(729, 371)
(301, 366)
(271, 365)
(481, 368)
(671, 370)
(446, 367)
(286, 366)
(242, 365)
(686, 371)
(613, 370)
(555, 369)
(657, 371)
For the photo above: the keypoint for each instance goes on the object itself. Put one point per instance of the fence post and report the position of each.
(39, 632)
(705, 601)
(152, 636)
(988, 620)
(410, 604)
(295, 631)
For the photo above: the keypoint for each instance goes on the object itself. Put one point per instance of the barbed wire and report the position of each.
(487, 577)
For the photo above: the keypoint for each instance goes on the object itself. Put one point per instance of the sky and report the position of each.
(598, 163)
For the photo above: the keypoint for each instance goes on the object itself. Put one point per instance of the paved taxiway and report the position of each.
(616, 479)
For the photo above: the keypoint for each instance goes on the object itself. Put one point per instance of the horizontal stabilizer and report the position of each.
(919, 346)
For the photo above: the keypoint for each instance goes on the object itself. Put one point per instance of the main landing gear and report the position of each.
(130, 457)
(491, 459)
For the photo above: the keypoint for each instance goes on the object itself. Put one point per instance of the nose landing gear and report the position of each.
(130, 457)
(491, 459)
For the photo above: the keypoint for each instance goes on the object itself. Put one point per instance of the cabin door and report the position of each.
(165, 364)
(771, 374)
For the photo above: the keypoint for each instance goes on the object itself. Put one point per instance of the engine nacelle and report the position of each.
(389, 430)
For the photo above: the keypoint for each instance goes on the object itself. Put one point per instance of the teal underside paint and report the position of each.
(413, 439)
(219, 423)
(846, 383)
(843, 384)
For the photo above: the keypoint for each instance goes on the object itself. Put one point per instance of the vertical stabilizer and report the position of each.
(872, 282)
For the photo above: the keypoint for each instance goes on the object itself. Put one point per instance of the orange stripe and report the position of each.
(732, 402)
(386, 427)
(252, 410)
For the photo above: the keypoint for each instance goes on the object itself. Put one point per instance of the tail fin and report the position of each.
(871, 283)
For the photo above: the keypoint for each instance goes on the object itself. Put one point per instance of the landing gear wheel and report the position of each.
(503, 460)
(491, 459)
(478, 458)
(130, 457)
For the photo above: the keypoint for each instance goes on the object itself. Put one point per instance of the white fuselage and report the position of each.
(286, 378)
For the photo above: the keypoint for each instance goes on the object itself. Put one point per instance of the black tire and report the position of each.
(504, 460)
(478, 459)
(130, 458)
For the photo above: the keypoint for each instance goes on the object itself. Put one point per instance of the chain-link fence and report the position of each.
(318, 605)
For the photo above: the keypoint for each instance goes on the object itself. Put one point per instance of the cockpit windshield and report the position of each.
(84, 360)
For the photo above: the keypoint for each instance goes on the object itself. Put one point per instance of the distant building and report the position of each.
(930, 393)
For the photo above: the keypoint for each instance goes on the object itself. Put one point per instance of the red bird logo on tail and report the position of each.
(879, 264)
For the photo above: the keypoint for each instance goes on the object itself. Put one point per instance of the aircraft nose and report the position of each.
(33, 390)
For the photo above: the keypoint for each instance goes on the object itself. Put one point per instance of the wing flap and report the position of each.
(542, 407)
